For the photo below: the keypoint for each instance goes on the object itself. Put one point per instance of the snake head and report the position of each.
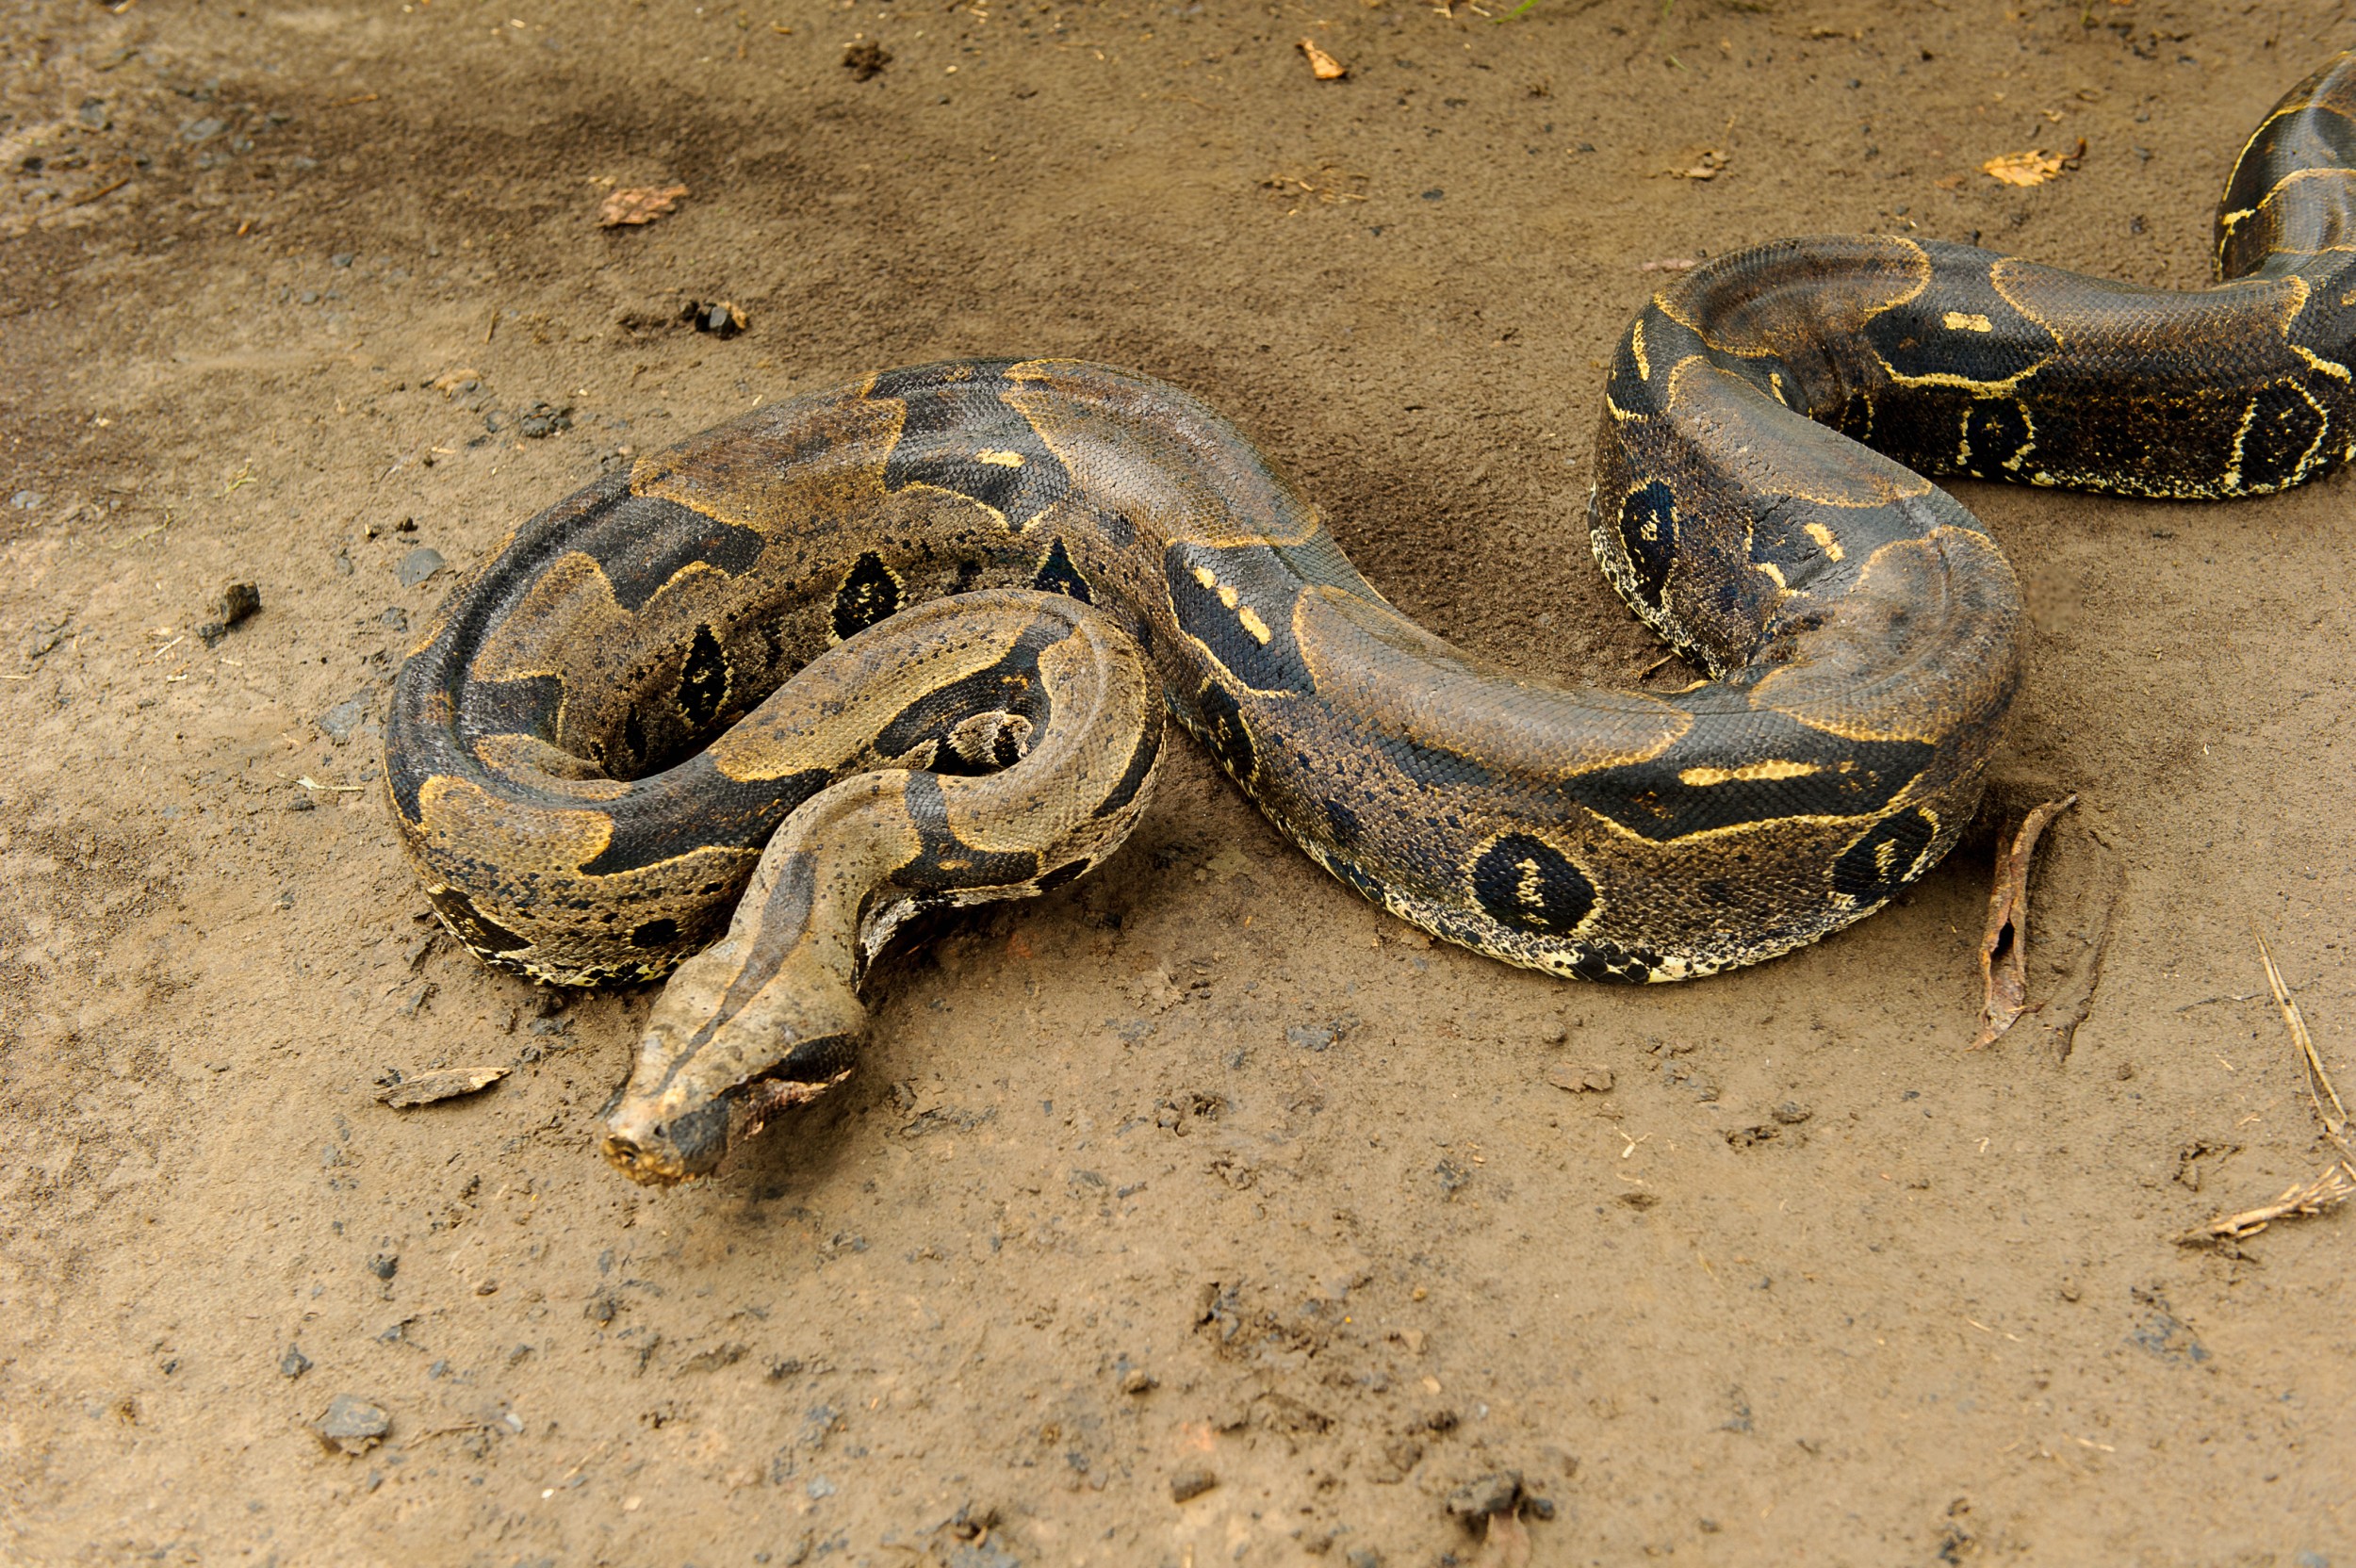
(688, 1144)
(734, 1039)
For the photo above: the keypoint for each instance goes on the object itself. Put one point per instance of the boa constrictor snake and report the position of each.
(992, 578)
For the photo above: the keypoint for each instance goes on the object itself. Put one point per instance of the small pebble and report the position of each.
(1791, 1113)
(418, 565)
(294, 1363)
(238, 604)
(1140, 1382)
(1580, 1080)
(1492, 1494)
(353, 1424)
(1186, 1485)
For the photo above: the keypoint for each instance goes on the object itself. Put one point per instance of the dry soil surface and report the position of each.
(1201, 1170)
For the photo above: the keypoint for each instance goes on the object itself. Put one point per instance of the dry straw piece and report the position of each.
(2328, 1188)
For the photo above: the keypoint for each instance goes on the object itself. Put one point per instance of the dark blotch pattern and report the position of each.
(1262, 584)
(1528, 884)
(1133, 777)
(946, 863)
(1224, 732)
(1057, 574)
(1850, 778)
(869, 593)
(1884, 859)
(703, 686)
(1995, 433)
(1648, 528)
(955, 414)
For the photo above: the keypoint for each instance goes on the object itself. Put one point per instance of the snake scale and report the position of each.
(992, 578)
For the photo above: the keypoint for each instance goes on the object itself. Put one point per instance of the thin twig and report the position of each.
(2320, 1093)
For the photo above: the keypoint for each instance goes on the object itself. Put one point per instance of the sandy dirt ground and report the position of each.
(1200, 1172)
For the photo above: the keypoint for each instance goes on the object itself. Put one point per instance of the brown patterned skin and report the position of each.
(586, 757)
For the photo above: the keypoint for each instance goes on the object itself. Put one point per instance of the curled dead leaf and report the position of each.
(2034, 167)
(1324, 67)
(638, 204)
(2004, 943)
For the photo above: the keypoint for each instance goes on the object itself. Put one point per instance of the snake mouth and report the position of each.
(689, 1146)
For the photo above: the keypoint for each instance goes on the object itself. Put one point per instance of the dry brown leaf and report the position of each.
(638, 204)
(2005, 945)
(447, 1084)
(1324, 67)
(2034, 167)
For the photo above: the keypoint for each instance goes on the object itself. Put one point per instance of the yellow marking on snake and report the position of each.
(1252, 623)
(1749, 773)
(1826, 541)
(999, 459)
(1963, 320)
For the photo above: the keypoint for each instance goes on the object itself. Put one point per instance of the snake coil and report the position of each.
(591, 752)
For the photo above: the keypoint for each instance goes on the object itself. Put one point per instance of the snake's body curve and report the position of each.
(587, 760)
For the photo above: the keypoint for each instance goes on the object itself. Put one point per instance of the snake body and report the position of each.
(994, 571)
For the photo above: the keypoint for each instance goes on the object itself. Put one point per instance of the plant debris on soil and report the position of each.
(1197, 1210)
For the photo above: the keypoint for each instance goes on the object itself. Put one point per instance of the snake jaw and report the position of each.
(689, 1146)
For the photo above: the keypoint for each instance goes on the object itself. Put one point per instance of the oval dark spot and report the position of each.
(1061, 874)
(1529, 885)
(655, 933)
(1996, 433)
(2283, 427)
(1648, 531)
(1342, 823)
(1856, 417)
(703, 684)
(1057, 574)
(1885, 858)
(869, 593)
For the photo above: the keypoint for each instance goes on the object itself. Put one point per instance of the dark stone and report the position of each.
(1186, 1485)
(544, 419)
(865, 61)
(238, 604)
(294, 1363)
(1493, 1493)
